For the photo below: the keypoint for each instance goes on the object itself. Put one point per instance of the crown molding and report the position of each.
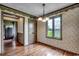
(3, 7)
(63, 9)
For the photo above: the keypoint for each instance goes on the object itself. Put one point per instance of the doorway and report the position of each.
(10, 33)
(13, 30)
(32, 31)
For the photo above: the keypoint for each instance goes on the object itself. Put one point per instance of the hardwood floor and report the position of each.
(34, 50)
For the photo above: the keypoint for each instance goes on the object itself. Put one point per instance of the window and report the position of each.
(57, 27)
(54, 27)
(49, 28)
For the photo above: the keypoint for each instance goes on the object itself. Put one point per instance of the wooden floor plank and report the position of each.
(34, 50)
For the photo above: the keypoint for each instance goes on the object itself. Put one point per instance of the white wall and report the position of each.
(26, 31)
(0, 32)
(1, 36)
(20, 25)
(70, 32)
(20, 30)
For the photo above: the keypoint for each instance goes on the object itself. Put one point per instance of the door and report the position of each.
(31, 29)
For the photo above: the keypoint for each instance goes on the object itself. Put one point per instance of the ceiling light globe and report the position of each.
(47, 18)
(40, 19)
(44, 20)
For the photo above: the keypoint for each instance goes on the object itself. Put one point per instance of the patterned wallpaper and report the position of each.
(70, 32)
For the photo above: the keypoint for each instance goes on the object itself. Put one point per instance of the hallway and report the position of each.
(35, 50)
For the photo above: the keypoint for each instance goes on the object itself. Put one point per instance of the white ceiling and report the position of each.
(36, 8)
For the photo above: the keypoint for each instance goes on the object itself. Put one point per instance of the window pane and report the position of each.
(57, 27)
(49, 28)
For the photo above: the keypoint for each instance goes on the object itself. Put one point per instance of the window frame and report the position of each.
(47, 29)
(53, 27)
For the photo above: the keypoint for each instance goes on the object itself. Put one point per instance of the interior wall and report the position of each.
(1, 35)
(20, 30)
(23, 37)
(26, 31)
(70, 32)
(20, 25)
(0, 32)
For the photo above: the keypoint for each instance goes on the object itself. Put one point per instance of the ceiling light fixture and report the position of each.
(43, 18)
